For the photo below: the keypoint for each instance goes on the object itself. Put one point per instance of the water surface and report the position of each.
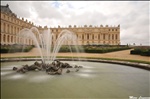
(93, 81)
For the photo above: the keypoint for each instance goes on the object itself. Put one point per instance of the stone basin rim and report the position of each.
(132, 64)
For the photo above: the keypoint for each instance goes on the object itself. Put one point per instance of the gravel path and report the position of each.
(125, 54)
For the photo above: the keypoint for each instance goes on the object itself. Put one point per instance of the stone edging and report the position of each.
(133, 64)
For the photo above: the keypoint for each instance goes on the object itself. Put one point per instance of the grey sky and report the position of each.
(133, 16)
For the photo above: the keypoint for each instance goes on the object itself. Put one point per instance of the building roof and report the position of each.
(6, 9)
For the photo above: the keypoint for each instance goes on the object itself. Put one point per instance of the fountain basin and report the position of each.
(94, 80)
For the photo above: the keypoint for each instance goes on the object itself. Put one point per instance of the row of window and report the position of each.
(9, 28)
(56, 30)
(104, 42)
(88, 37)
(113, 36)
(13, 39)
(15, 20)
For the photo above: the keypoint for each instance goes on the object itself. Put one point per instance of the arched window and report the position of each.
(116, 37)
(104, 36)
(18, 30)
(14, 39)
(93, 37)
(98, 36)
(8, 29)
(8, 37)
(88, 36)
(56, 36)
(11, 39)
(15, 31)
(4, 38)
(82, 36)
(4, 27)
(112, 36)
(12, 29)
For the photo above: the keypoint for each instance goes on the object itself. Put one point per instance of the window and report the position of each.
(82, 36)
(8, 38)
(4, 28)
(11, 39)
(99, 36)
(93, 36)
(4, 38)
(109, 37)
(88, 36)
(112, 36)
(8, 29)
(103, 36)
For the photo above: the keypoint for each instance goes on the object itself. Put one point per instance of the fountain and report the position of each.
(43, 41)
(97, 80)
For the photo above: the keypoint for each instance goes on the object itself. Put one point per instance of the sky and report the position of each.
(133, 16)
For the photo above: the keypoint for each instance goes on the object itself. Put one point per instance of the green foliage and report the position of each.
(141, 51)
(70, 48)
(104, 49)
(15, 48)
(94, 48)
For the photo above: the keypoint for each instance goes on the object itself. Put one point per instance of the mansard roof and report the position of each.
(6, 9)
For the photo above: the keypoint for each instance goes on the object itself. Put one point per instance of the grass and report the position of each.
(115, 59)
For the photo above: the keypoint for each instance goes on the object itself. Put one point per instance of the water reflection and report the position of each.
(94, 80)
(6, 73)
(40, 78)
(16, 76)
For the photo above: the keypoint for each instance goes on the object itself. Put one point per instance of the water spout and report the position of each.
(43, 41)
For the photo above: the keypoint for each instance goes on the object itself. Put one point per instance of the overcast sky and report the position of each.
(133, 16)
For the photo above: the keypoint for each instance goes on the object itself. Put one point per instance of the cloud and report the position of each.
(21, 8)
(133, 16)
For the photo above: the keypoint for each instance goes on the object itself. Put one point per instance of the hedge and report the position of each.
(15, 48)
(143, 52)
(104, 50)
(92, 49)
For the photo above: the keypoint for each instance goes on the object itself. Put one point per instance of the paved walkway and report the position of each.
(125, 54)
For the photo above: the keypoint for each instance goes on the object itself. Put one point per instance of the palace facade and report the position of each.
(87, 35)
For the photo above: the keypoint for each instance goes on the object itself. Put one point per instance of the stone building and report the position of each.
(93, 35)
(11, 25)
(87, 35)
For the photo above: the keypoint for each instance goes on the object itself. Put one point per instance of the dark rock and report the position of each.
(80, 66)
(68, 71)
(77, 69)
(15, 68)
(75, 66)
(54, 68)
